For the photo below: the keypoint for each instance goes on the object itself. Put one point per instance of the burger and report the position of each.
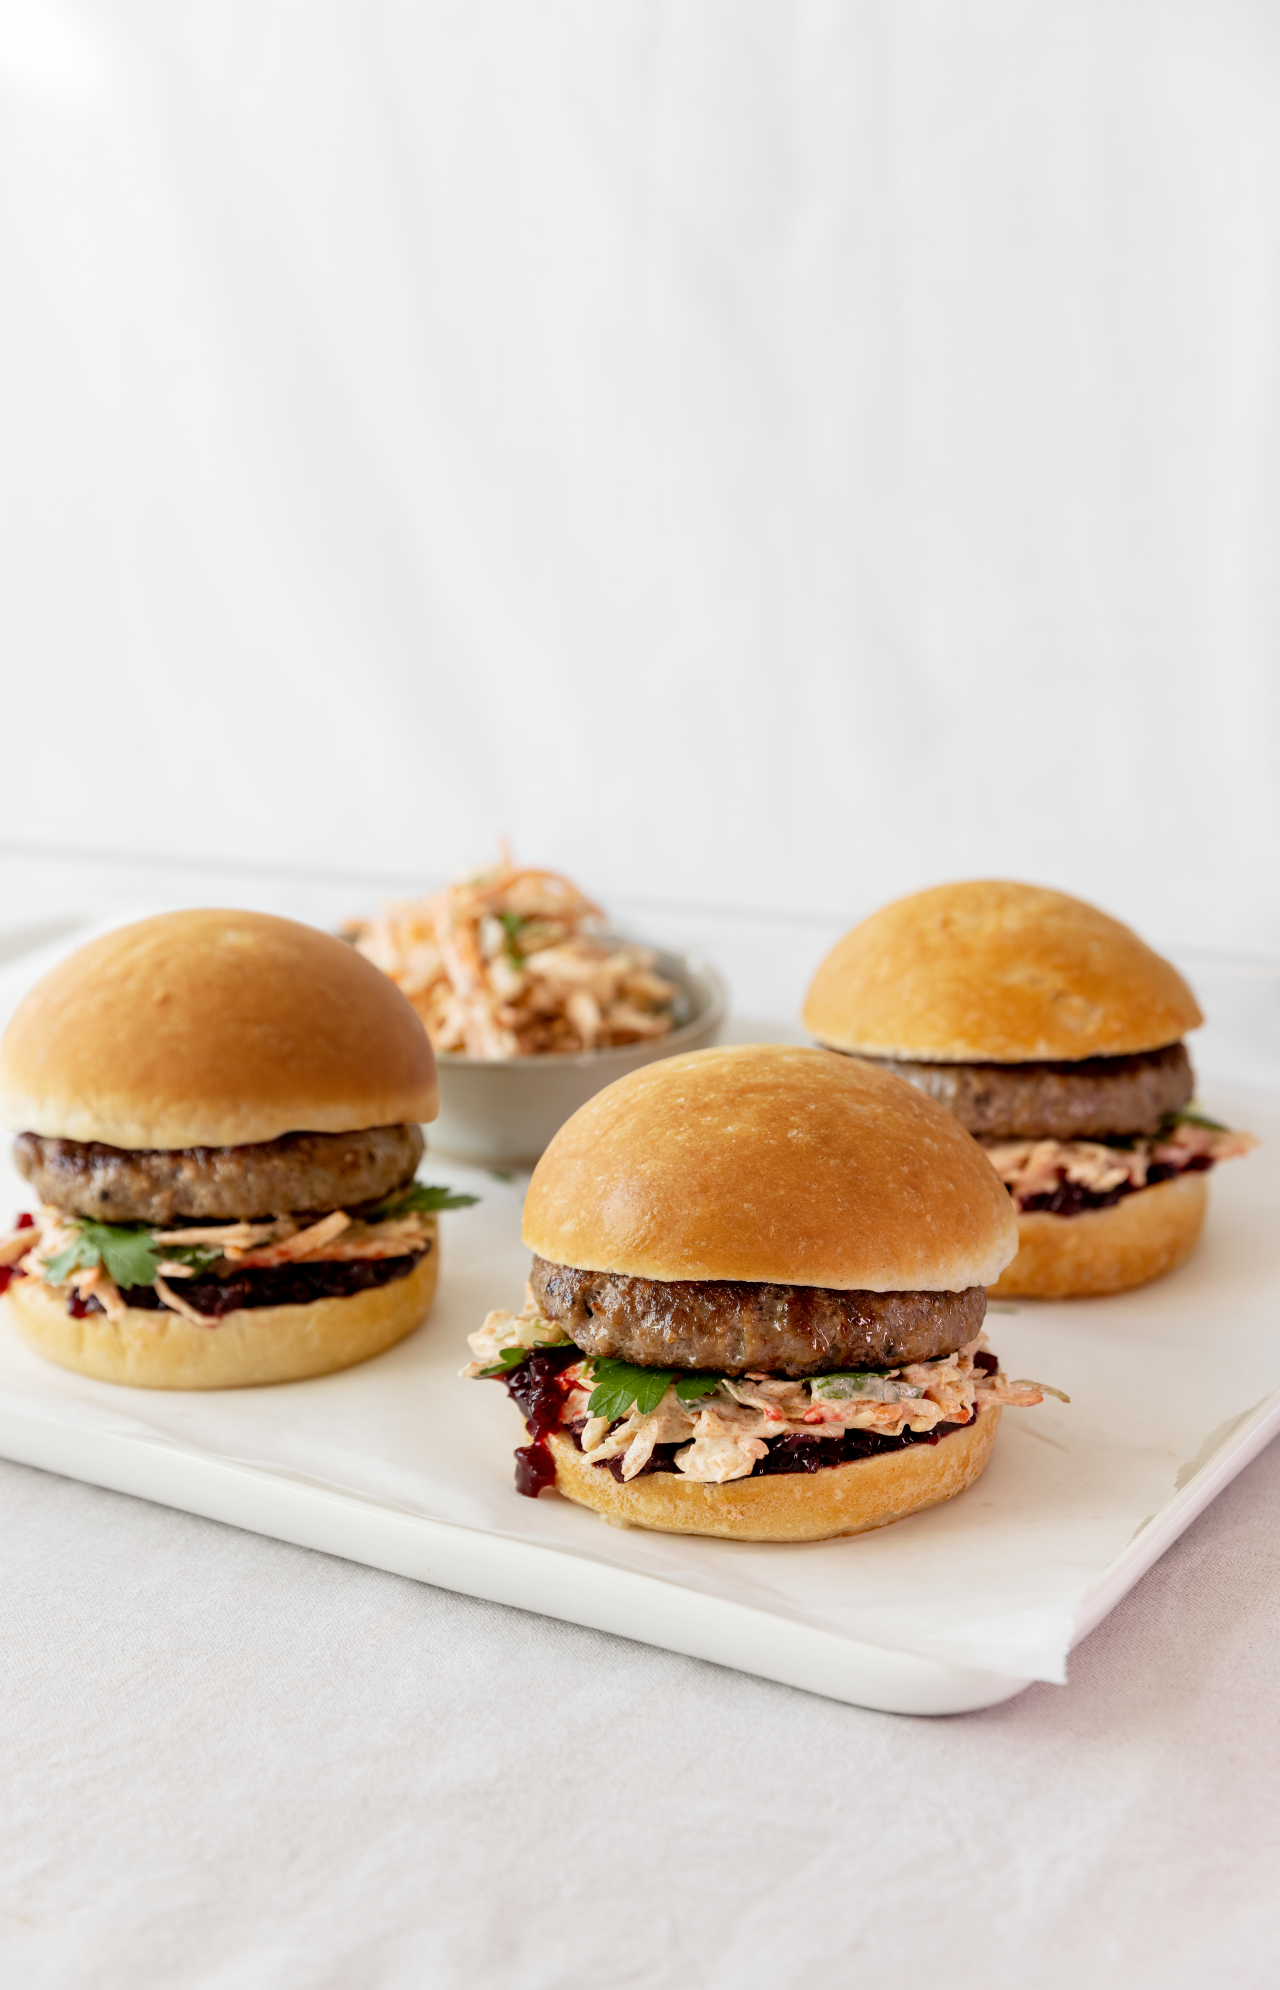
(1054, 1035)
(219, 1115)
(756, 1303)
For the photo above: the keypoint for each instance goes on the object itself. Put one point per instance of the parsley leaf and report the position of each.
(198, 1256)
(125, 1250)
(858, 1382)
(74, 1258)
(419, 1196)
(508, 1358)
(691, 1387)
(127, 1253)
(1188, 1117)
(511, 922)
(619, 1384)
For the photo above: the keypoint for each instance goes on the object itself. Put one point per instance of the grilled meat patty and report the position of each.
(729, 1326)
(1067, 1101)
(311, 1171)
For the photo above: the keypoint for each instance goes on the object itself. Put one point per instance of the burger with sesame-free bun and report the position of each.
(1054, 1034)
(756, 1302)
(219, 1113)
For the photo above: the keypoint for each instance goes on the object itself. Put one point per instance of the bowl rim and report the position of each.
(693, 964)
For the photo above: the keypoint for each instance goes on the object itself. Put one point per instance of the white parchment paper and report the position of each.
(1157, 1379)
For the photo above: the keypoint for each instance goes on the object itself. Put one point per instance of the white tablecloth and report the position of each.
(235, 1763)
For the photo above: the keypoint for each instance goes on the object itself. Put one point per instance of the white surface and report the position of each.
(756, 453)
(995, 1581)
(235, 1765)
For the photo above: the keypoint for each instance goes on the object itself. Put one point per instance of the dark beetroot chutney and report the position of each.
(272, 1285)
(1070, 1199)
(796, 1453)
(7, 1271)
(539, 1386)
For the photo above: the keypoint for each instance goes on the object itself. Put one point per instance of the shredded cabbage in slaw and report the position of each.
(512, 963)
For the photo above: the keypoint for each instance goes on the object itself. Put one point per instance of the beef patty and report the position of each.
(729, 1326)
(312, 1171)
(1065, 1101)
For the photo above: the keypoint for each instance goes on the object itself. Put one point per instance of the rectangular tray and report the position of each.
(583, 1592)
(263, 1464)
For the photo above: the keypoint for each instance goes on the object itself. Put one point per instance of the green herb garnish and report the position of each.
(198, 1256)
(511, 923)
(858, 1382)
(691, 1387)
(419, 1196)
(1169, 1124)
(619, 1384)
(508, 1358)
(622, 1384)
(126, 1251)
(1189, 1118)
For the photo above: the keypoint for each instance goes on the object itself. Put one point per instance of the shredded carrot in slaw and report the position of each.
(514, 963)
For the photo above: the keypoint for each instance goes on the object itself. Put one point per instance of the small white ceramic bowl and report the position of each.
(502, 1114)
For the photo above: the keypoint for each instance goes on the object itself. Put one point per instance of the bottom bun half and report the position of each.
(1139, 1238)
(785, 1506)
(267, 1344)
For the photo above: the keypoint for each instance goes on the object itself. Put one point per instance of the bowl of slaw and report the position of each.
(533, 1005)
(503, 1115)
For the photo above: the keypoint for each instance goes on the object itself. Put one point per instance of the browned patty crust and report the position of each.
(1068, 1101)
(311, 1171)
(730, 1326)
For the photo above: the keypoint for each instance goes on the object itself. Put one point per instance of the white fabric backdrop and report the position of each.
(770, 452)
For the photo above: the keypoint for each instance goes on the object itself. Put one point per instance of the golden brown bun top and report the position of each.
(996, 973)
(211, 1029)
(774, 1164)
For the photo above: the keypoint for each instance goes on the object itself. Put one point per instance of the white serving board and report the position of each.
(602, 1597)
(401, 1466)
